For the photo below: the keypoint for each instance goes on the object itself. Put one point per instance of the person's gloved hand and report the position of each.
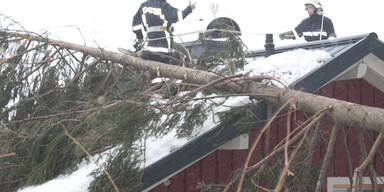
(138, 44)
(287, 35)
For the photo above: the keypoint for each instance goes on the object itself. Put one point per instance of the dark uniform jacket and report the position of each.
(310, 28)
(155, 17)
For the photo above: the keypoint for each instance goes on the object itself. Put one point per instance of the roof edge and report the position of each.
(313, 44)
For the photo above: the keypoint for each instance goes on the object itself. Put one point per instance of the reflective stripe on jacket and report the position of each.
(310, 28)
(155, 18)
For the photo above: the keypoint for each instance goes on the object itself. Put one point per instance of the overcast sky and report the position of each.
(108, 23)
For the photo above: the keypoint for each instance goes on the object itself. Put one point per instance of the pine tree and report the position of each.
(48, 91)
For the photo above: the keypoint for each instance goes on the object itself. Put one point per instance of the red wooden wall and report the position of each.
(218, 166)
(214, 168)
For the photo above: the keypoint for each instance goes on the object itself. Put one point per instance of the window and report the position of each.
(347, 188)
(342, 184)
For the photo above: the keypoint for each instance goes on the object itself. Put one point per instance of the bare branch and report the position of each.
(280, 148)
(327, 158)
(7, 155)
(285, 171)
(348, 156)
(358, 171)
(252, 149)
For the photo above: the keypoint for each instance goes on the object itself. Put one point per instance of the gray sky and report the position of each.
(108, 23)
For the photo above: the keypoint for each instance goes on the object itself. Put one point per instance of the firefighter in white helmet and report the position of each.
(315, 27)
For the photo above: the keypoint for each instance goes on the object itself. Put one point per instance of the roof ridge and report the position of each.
(314, 44)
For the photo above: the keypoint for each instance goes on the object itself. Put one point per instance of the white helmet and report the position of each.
(315, 3)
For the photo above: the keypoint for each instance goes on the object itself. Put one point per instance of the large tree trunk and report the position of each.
(345, 113)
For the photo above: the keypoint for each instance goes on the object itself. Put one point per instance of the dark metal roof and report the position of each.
(334, 46)
(345, 52)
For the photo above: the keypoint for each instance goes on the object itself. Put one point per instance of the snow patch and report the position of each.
(288, 66)
(78, 181)
(158, 148)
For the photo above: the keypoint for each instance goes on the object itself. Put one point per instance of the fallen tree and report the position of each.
(343, 112)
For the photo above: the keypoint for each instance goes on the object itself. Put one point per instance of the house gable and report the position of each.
(218, 166)
(341, 62)
(369, 68)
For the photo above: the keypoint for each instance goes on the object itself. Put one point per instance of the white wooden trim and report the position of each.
(361, 70)
(238, 143)
(369, 68)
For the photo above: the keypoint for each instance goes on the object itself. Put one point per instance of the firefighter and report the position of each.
(155, 18)
(315, 27)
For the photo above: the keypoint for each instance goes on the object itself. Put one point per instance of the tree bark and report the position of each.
(345, 113)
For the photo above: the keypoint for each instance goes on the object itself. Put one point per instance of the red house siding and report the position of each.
(218, 166)
(208, 169)
(177, 183)
(379, 102)
(340, 92)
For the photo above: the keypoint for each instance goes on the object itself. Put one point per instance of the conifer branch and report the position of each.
(93, 159)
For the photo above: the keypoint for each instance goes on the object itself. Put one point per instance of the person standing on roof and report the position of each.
(155, 18)
(315, 27)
